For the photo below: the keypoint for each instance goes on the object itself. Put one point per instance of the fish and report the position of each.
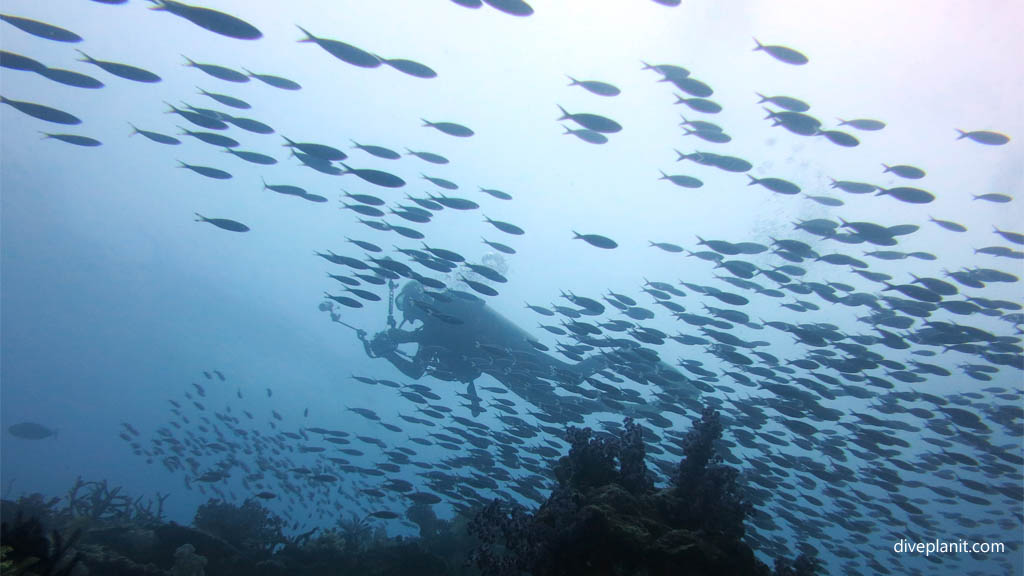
(322, 151)
(202, 120)
(42, 112)
(211, 138)
(863, 124)
(499, 194)
(155, 136)
(423, 498)
(727, 163)
(248, 124)
(217, 71)
(223, 223)
(30, 431)
(586, 135)
(785, 102)
(71, 78)
(700, 125)
(13, 61)
(505, 227)
(440, 182)
(993, 197)
(904, 171)
(511, 7)
(407, 232)
(378, 151)
(227, 100)
(212, 20)
(596, 240)
(782, 53)
(367, 199)
(449, 128)
(692, 86)
(377, 177)
(41, 29)
(454, 203)
(428, 157)
(444, 254)
(682, 180)
(479, 287)
(125, 71)
(369, 246)
(666, 246)
(595, 87)
(207, 171)
(364, 294)
(75, 139)
(796, 122)
(827, 200)
(853, 187)
(1015, 237)
(344, 300)
(342, 51)
(949, 225)
(383, 515)
(592, 122)
(984, 137)
(253, 157)
(700, 104)
(716, 136)
(777, 185)
(487, 272)
(410, 67)
(839, 138)
(668, 71)
(907, 194)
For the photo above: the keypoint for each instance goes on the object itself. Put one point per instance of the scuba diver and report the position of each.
(459, 338)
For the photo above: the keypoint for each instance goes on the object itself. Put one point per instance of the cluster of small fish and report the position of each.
(252, 449)
(870, 465)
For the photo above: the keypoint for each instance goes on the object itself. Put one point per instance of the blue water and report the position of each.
(115, 300)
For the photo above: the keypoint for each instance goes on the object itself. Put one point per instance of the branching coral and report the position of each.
(98, 501)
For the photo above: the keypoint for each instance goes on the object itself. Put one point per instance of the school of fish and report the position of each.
(909, 464)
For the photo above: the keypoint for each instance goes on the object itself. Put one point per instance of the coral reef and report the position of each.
(96, 501)
(423, 516)
(606, 517)
(251, 528)
(707, 493)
